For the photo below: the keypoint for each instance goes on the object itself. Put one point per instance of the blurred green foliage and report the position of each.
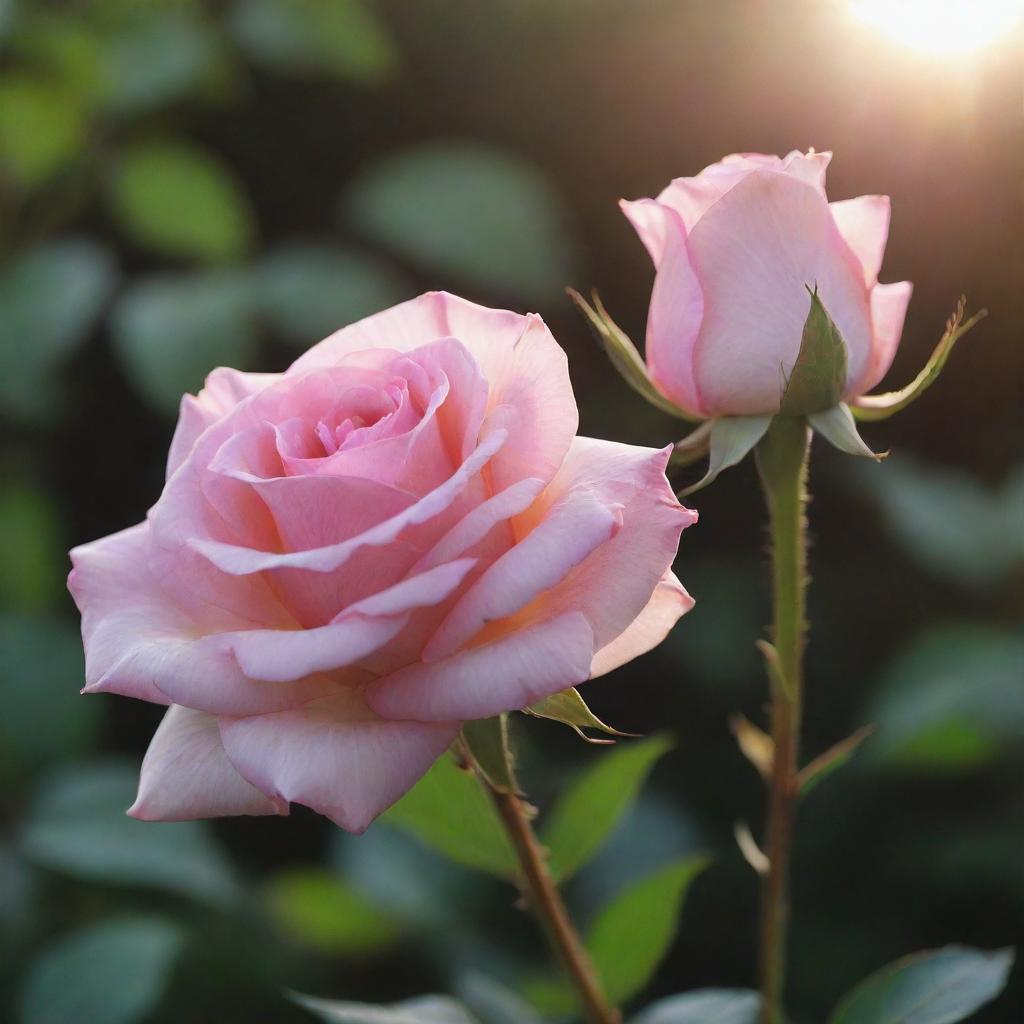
(185, 184)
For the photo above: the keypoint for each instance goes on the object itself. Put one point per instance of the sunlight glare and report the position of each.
(942, 26)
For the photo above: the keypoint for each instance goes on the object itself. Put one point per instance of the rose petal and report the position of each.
(756, 252)
(335, 756)
(864, 224)
(186, 774)
(667, 605)
(888, 311)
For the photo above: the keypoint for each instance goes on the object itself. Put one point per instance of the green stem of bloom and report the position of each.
(782, 458)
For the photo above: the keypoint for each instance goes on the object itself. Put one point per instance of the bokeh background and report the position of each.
(184, 185)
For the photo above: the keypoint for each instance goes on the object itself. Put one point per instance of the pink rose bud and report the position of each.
(399, 533)
(739, 250)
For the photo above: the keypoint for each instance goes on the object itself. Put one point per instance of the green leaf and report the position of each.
(732, 438)
(33, 561)
(50, 296)
(171, 331)
(424, 1010)
(951, 701)
(583, 819)
(470, 214)
(624, 355)
(449, 810)
(113, 972)
(42, 128)
(926, 508)
(487, 741)
(310, 291)
(45, 718)
(77, 826)
(937, 987)
(181, 201)
(342, 38)
(630, 936)
(880, 407)
(704, 1006)
(837, 426)
(317, 909)
(493, 1003)
(569, 708)
(818, 378)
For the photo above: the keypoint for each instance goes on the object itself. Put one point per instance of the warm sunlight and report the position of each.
(942, 26)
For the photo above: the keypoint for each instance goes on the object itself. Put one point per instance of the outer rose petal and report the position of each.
(864, 224)
(667, 605)
(512, 672)
(186, 774)
(888, 310)
(519, 358)
(224, 389)
(335, 756)
(754, 252)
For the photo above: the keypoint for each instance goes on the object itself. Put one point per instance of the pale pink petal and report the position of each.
(512, 672)
(186, 774)
(888, 310)
(756, 252)
(615, 583)
(335, 756)
(864, 224)
(224, 389)
(667, 605)
(569, 526)
(653, 222)
(673, 326)
(808, 167)
(285, 655)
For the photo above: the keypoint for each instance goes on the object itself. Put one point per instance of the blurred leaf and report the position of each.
(493, 1003)
(468, 213)
(449, 810)
(343, 37)
(170, 331)
(704, 1006)
(45, 718)
(41, 129)
(950, 522)
(583, 819)
(77, 825)
(310, 291)
(182, 201)
(424, 1010)
(952, 701)
(110, 973)
(937, 987)
(64, 46)
(17, 893)
(33, 562)
(569, 708)
(319, 910)
(630, 936)
(153, 55)
(49, 299)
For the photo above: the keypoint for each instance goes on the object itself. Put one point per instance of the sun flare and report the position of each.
(942, 26)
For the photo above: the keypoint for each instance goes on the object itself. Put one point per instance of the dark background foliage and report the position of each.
(186, 184)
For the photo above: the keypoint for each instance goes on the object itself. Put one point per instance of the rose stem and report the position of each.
(782, 459)
(548, 903)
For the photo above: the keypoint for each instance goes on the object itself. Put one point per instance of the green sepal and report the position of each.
(729, 440)
(835, 757)
(486, 741)
(569, 708)
(839, 428)
(691, 448)
(624, 355)
(880, 407)
(818, 377)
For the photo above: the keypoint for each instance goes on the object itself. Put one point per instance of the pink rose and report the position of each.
(348, 559)
(735, 250)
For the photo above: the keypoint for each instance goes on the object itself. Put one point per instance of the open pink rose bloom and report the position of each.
(349, 559)
(736, 249)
